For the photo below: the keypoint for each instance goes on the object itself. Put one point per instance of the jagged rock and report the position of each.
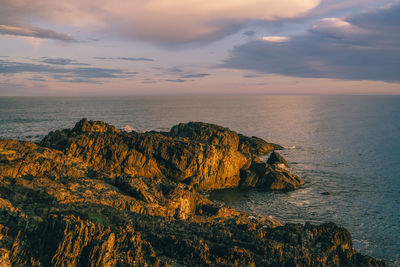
(256, 146)
(56, 210)
(163, 196)
(207, 133)
(277, 159)
(29, 159)
(92, 235)
(84, 126)
(271, 177)
(206, 156)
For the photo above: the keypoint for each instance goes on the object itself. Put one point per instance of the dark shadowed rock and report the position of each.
(270, 177)
(277, 159)
(256, 146)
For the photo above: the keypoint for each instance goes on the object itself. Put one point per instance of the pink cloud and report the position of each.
(169, 21)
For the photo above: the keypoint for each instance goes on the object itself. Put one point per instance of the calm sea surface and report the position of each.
(348, 146)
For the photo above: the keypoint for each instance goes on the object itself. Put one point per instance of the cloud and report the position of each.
(160, 21)
(62, 61)
(126, 58)
(275, 39)
(37, 78)
(175, 70)
(336, 6)
(250, 33)
(195, 75)
(149, 81)
(8, 88)
(176, 81)
(29, 31)
(361, 47)
(64, 74)
(251, 76)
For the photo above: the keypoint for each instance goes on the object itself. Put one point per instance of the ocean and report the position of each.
(346, 148)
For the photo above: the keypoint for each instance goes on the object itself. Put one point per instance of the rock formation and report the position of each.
(205, 156)
(98, 196)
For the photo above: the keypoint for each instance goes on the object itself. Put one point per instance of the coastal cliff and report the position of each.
(98, 196)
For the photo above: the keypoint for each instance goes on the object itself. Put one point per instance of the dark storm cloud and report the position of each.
(75, 74)
(361, 47)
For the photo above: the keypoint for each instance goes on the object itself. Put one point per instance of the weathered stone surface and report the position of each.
(277, 159)
(270, 177)
(206, 156)
(29, 159)
(38, 227)
(81, 208)
(207, 133)
(256, 146)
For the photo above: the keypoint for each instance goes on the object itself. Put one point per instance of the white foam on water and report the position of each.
(128, 128)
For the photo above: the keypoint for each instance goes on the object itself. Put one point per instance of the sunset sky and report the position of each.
(138, 47)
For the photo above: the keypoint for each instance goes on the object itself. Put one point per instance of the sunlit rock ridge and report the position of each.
(95, 195)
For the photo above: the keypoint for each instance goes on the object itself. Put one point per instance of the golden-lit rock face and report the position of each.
(205, 156)
(110, 198)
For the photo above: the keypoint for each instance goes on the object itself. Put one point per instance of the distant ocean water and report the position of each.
(348, 146)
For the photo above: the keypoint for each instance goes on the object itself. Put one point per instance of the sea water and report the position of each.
(346, 148)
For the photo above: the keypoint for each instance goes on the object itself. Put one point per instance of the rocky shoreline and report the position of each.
(95, 195)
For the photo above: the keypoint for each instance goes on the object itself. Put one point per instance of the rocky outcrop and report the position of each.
(96, 220)
(276, 159)
(256, 146)
(78, 207)
(270, 177)
(206, 156)
(28, 159)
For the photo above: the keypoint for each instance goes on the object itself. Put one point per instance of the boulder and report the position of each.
(269, 177)
(256, 146)
(276, 159)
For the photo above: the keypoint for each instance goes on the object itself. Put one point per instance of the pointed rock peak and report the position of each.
(84, 125)
(276, 158)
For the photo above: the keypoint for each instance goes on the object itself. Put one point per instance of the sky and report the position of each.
(162, 47)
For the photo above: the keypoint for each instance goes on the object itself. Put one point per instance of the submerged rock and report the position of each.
(111, 199)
